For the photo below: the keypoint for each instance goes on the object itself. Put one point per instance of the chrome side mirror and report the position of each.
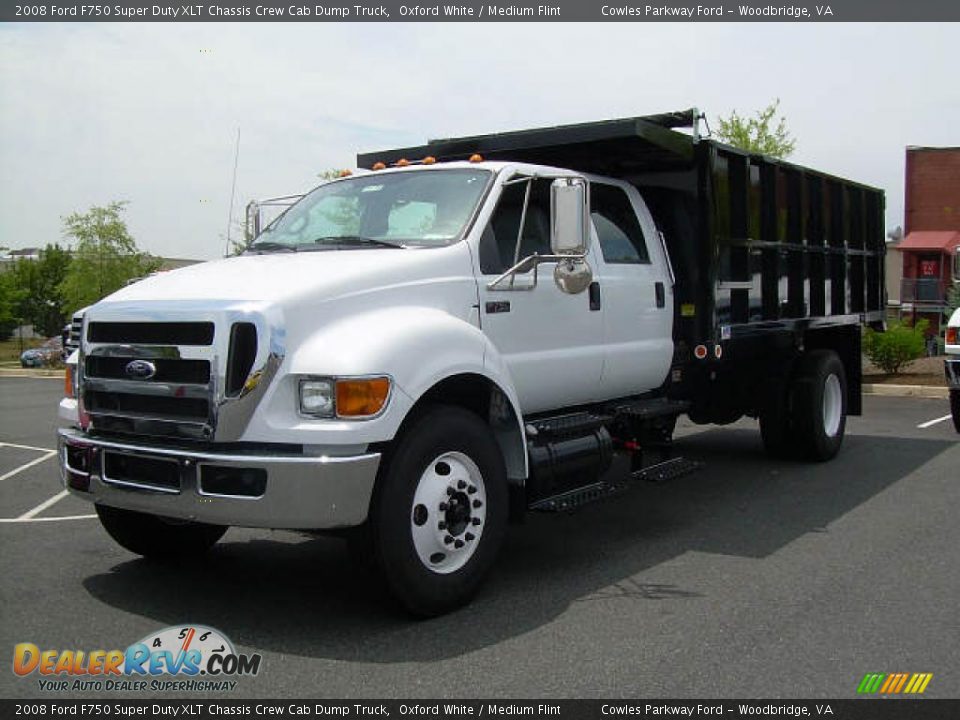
(569, 216)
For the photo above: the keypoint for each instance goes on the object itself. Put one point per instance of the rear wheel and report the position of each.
(955, 408)
(156, 537)
(819, 405)
(440, 512)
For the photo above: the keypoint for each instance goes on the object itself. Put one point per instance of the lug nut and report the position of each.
(471, 490)
(469, 536)
(443, 507)
(477, 503)
(450, 491)
(448, 539)
(461, 485)
(476, 521)
(441, 525)
(458, 544)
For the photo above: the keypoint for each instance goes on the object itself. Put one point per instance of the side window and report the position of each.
(621, 239)
(499, 240)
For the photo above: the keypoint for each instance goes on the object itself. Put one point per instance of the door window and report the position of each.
(498, 243)
(618, 230)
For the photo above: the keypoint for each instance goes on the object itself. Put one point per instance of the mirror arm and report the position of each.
(523, 220)
(534, 260)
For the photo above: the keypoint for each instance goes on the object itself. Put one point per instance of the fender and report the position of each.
(418, 347)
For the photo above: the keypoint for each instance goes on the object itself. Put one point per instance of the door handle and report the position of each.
(661, 294)
(594, 295)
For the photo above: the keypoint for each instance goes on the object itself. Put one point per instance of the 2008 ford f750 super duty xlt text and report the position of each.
(461, 332)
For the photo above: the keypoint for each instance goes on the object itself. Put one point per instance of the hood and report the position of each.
(292, 278)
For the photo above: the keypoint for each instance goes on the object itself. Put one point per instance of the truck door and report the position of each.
(636, 292)
(551, 341)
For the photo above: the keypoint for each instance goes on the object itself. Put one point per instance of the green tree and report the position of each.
(764, 133)
(105, 257)
(10, 298)
(40, 299)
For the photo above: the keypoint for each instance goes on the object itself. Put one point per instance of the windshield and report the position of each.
(401, 209)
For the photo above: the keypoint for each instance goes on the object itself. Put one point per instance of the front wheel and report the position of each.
(955, 408)
(156, 537)
(440, 511)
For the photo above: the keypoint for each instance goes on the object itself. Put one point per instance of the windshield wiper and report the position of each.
(356, 240)
(268, 246)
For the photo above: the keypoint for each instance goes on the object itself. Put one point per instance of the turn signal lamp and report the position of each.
(362, 397)
(951, 336)
(68, 382)
(476, 157)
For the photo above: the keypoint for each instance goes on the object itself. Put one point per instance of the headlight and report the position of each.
(317, 397)
(355, 398)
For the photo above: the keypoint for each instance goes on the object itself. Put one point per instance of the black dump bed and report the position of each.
(758, 245)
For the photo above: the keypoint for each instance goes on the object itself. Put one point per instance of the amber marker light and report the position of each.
(362, 397)
(402, 162)
(378, 166)
(476, 157)
(346, 172)
(68, 382)
(429, 160)
(951, 336)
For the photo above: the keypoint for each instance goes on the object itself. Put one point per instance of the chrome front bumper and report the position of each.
(951, 368)
(291, 491)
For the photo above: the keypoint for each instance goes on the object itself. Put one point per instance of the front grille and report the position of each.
(168, 371)
(76, 327)
(151, 333)
(156, 407)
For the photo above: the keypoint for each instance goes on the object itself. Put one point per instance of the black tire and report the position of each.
(819, 376)
(440, 432)
(955, 408)
(155, 537)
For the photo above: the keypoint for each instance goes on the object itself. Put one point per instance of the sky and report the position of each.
(149, 113)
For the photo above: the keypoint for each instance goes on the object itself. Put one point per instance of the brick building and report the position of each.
(930, 249)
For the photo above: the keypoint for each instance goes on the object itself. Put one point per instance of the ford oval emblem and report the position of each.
(140, 369)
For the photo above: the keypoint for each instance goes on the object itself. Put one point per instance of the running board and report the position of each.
(578, 497)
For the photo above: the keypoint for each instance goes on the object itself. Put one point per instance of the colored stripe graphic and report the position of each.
(871, 682)
(894, 683)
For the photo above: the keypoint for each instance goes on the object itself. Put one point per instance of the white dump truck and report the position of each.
(419, 352)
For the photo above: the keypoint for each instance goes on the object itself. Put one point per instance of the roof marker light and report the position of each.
(402, 162)
(378, 166)
(429, 160)
(346, 172)
(476, 157)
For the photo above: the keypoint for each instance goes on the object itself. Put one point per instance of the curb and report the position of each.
(921, 391)
(30, 373)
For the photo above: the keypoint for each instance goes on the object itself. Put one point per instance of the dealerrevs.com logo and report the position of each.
(178, 658)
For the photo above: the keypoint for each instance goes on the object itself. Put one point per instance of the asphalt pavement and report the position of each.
(750, 578)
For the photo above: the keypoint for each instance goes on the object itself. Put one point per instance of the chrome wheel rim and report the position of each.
(832, 405)
(449, 513)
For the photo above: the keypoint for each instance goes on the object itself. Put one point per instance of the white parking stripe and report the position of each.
(922, 426)
(50, 454)
(46, 519)
(25, 447)
(43, 506)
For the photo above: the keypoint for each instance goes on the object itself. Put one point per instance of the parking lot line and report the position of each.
(929, 423)
(37, 461)
(25, 447)
(44, 505)
(46, 519)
